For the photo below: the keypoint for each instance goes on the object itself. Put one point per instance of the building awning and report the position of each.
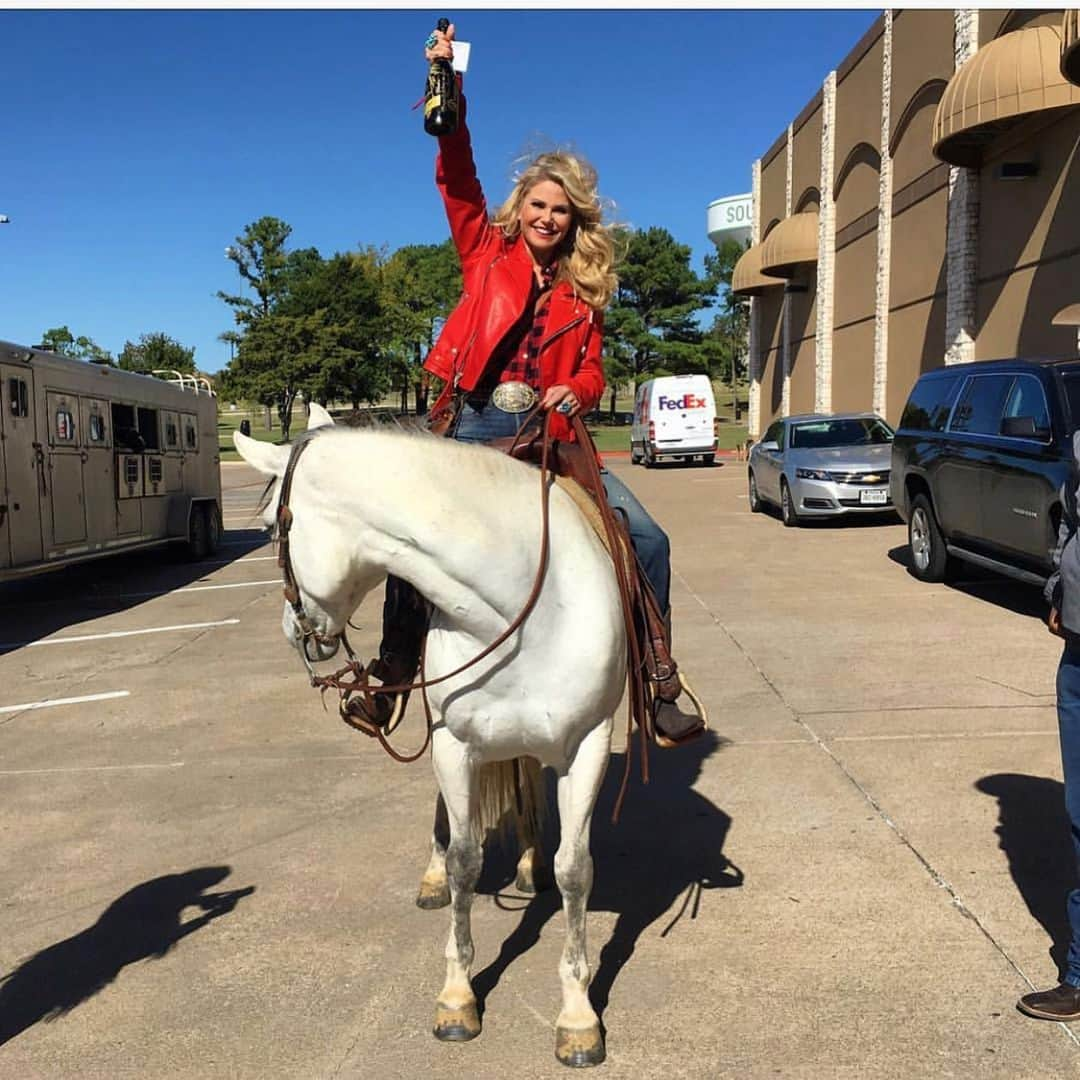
(1067, 316)
(1011, 77)
(1070, 46)
(747, 278)
(791, 243)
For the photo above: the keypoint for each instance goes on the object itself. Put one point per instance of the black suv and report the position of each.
(978, 462)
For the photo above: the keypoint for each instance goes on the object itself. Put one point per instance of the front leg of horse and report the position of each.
(456, 1016)
(578, 1041)
(434, 887)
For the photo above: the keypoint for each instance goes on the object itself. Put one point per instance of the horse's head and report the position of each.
(318, 603)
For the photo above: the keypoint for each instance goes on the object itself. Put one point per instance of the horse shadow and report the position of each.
(1034, 833)
(142, 924)
(664, 853)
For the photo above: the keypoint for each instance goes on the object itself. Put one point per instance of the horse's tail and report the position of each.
(511, 793)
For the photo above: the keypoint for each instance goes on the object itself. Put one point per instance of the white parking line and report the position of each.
(115, 634)
(64, 701)
(234, 562)
(208, 588)
(90, 768)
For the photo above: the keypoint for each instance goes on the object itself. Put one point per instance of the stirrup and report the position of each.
(371, 712)
(693, 730)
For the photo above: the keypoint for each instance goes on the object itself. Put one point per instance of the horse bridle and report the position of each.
(353, 678)
(284, 520)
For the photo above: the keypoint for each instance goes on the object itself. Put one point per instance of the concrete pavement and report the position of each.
(856, 875)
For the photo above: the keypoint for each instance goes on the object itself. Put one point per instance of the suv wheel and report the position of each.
(755, 497)
(788, 513)
(929, 559)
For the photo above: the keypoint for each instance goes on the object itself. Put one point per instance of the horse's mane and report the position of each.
(363, 421)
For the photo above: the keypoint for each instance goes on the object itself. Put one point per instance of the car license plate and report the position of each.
(877, 497)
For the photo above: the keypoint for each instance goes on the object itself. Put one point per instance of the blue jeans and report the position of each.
(1068, 710)
(650, 541)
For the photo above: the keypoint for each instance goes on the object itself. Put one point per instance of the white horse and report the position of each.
(462, 524)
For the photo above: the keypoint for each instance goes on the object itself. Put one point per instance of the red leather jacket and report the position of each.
(497, 277)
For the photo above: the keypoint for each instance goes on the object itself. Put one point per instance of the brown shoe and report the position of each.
(671, 725)
(1061, 1003)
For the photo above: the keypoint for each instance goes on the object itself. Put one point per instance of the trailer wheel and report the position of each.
(213, 527)
(198, 545)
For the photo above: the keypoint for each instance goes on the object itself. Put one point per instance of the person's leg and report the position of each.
(1063, 1003)
(653, 550)
(1068, 695)
(650, 541)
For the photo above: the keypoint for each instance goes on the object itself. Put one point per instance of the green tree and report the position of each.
(421, 284)
(155, 352)
(261, 260)
(343, 296)
(277, 356)
(61, 340)
(726, 339)
(651, 326)
(271, 354)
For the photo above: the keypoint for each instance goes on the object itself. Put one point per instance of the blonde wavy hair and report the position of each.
(587, 259)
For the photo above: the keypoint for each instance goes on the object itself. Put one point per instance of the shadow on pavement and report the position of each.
(1033, 831)
(145, 922)
(35, 607)
(1005, 592)
(664, 853)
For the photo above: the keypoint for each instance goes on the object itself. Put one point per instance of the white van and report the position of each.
(674, 417)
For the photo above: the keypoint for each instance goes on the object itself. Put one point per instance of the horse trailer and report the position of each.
(94, 460)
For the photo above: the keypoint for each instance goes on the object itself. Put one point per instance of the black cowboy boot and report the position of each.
(405, 621)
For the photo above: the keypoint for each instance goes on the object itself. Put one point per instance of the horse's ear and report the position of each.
(269, 459)
(318, 416)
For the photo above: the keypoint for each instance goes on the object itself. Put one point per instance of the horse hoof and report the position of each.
(579, 1047)
(431, 897)
(456, 1024)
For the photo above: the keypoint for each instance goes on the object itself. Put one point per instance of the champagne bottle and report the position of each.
(441, 95)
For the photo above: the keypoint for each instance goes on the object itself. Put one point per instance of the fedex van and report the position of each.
(674, 418)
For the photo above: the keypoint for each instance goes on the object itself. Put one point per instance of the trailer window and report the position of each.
(148, 428)
(156, 470)
(18, 398)
(191, 440)
(131, 470)
(97, 427)
(125, 434)
(65, 426)
(172, 433)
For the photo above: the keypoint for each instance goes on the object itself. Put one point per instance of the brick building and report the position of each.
(922, 209)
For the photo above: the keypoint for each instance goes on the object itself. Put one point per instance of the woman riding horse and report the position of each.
(529, 327)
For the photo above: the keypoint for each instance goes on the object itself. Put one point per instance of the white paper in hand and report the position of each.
(461, 56)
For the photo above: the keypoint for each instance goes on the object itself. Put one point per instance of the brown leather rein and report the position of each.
(353, 677)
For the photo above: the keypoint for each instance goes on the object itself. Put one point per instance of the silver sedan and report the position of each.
(819, 465)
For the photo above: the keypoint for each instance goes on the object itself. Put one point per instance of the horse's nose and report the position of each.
(316, 649)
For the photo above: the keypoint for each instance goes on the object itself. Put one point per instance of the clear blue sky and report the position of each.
(138, 144)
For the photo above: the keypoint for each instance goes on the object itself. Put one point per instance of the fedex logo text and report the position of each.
(687, 401)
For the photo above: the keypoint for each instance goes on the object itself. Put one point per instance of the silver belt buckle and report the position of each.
(513, 397)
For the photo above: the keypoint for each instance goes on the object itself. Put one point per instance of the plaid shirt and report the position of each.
(518, 359)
